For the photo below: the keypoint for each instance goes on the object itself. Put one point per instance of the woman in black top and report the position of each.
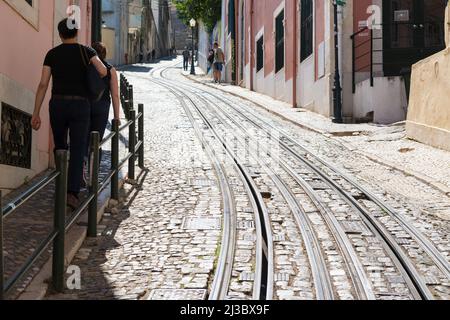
(100, 109)
(69, 105)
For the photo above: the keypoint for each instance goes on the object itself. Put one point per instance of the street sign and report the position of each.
(341, 2)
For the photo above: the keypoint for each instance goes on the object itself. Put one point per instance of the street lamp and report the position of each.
(337, 90)
(193, 24)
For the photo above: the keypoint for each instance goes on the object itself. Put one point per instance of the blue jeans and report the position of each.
(71, 118)
(99, 120)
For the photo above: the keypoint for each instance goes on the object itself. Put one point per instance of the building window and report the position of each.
(15, 146)
(279, 42)
(28, 9)
(306, 33)
(260, 54)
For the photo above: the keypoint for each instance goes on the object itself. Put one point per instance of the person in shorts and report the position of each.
(219, 60)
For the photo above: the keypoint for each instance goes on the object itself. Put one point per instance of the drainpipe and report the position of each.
(251, 46)
(294, 56)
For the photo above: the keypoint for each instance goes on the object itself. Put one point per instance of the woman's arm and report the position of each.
(98, 64)
(115, 93)
(40, 95)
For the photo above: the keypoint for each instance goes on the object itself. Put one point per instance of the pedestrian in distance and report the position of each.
(210, 61)
(186, 57)
(100, 109)
(141, 57)
(219, 60)
(70, 109)
(153, 55)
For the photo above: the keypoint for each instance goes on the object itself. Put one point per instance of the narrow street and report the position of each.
(237, 203)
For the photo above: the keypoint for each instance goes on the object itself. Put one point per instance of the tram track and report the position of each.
(336, 181)
(415, 281)
(322, 282)
(263, 288)
(320, 167)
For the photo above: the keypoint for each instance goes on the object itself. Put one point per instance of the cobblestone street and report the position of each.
(239, 200)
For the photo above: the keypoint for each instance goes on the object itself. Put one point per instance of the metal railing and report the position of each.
(126, 96)
(361, 50)
(403, 37)
(59, 176)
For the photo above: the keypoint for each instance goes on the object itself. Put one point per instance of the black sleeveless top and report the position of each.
(107, 94)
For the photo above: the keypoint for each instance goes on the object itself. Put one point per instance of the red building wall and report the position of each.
(362, 41)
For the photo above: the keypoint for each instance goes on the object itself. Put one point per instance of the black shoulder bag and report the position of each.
(95, 83)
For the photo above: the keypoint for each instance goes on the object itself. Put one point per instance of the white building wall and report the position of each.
(204, 44)
(386, 99)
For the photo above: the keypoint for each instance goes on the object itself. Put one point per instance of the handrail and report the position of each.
(107, 139)
(356, 57)
(135, 124)
(358, 32)
(29, 193)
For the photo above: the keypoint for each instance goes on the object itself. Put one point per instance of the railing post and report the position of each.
(371, 57)
(141, 135)
(93, 189)
(132, 145)
(2, 270)
(131, 97)
(60, 220)
(115, 160)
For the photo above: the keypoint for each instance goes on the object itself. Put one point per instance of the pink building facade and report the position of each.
(285, 49)
(28, 30)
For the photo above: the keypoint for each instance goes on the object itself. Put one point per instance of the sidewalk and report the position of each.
(30, 224)
(386, 145)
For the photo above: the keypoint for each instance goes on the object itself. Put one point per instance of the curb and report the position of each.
(425, 179)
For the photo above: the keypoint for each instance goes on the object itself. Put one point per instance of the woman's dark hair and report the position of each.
(101, 49)
(68, 29)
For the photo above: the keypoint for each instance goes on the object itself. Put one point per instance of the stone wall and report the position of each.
(429, 113)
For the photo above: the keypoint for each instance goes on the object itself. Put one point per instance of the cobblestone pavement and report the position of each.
(166, 235)
(163, 240)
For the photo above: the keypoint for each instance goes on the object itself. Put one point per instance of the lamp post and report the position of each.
(193, 24)
(337, 90)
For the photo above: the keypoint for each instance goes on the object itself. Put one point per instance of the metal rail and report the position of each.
(403, 261)
(359, 278)
(263, 288)
(59, 176)
(417, 285)
(323, 286)
(225, 262)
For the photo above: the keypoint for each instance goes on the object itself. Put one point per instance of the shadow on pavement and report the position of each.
(94, 257)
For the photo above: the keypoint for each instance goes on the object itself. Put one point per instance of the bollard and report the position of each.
(115, 161)
(93, 189)
(60, 220)
(141, 135)
(2, 275)
(132, 145)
